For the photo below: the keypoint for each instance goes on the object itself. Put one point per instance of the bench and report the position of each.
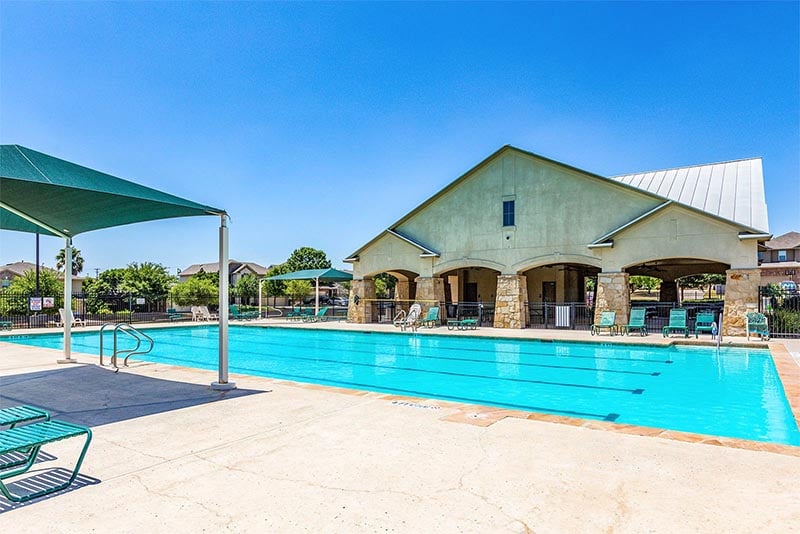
(28, 440)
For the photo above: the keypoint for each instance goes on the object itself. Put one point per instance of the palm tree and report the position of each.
(77, 261)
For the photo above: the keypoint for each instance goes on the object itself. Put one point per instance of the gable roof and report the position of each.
(754, 185)
(234, 266)
(730, 190)
(21, 267)
(787, 240)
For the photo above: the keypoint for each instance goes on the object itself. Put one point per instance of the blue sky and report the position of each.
(321, 124)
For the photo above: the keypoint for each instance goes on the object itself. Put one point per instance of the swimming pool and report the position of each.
(735, 393)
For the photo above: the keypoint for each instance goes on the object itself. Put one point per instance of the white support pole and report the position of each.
(223, 384)
(260, 281)
(67, 303)
(316, 297)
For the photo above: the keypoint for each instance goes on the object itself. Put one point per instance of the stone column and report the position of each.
(741, 296)
(613, 294)
(509, 307)
(402, 290)
(362, 311)
(431, 289)
(668, 291)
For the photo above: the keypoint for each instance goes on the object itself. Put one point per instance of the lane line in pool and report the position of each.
(476, 360)
(636, 391)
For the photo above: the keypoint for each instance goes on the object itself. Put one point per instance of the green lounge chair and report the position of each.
(6, 325)
(677, 323)
(235, 314)
(174, 315)
(636, 322)
(28, 440)
(704, 323)
(20, 415)
(294, 315)
(756, 323)
(319, 316)
(431, 319)
(607, 322)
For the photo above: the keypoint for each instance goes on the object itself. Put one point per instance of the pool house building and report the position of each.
(519, 235)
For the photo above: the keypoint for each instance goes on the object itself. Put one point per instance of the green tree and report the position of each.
(702, 281)
(246, 286)
(307, 258)
(297, 289)
(384, 283)
(644, 282)
(147, 279)
(15, 296)
(77, 261)
(210, 277)
(276, 288)
(195, 290)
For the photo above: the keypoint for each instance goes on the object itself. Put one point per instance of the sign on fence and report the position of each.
(35, 304)
(49, 302)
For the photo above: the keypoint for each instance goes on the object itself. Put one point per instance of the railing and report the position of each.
(782, 309)
(137, 335)
(568, 315)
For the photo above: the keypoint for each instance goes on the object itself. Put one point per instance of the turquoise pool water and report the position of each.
(736, 393)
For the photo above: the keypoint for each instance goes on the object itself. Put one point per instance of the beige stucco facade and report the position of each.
(564, 217)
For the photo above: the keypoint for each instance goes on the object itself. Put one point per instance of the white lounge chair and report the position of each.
(76, 321)
(197, 315)
(207, 315)
(412, 320)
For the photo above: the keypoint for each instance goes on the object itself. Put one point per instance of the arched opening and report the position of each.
(561, 295)
(663, 284)
(470, 292)
(394, 290)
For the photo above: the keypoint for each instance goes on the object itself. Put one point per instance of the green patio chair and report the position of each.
(756, 323)
(28, 440)
(294, 315)
(677, 323)
(431, 319)
(607, 322)
(174, 315)
(319, 316)
(19, 415)
(704, 322)
(636, 322)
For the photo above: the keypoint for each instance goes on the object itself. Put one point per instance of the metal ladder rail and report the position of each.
(102, 328)
(130, 331)
(139, 336)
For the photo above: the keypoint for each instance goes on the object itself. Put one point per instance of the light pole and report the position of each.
(260, 281)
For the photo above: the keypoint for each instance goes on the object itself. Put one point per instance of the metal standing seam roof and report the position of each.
(731, 190)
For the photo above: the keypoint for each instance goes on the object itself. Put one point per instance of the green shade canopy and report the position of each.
(323, 275)
(51, 196)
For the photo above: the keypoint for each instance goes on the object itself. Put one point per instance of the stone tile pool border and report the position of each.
(483, 416)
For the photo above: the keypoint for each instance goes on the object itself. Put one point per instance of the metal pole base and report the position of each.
(67, 360)
(219, 386)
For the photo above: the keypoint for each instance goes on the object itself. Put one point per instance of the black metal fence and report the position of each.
(657, 313)
(782, 309)
(568, 315)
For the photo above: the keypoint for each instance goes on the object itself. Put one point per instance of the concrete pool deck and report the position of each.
(274, 456)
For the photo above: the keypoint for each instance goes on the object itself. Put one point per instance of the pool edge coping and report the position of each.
(479, 415)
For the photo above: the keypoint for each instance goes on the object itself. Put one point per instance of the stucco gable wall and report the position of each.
(678, 232)
(557, 210)
(388, 253)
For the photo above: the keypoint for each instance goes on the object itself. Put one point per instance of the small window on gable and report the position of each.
(508, 213)
(781, 255)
